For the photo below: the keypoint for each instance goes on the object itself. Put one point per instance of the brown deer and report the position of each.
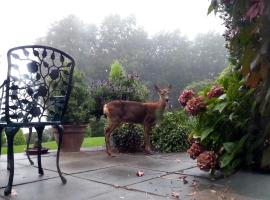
(120, 111)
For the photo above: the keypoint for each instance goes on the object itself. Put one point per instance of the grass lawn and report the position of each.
(88, 142)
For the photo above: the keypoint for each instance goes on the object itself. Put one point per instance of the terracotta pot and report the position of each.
(72, 138)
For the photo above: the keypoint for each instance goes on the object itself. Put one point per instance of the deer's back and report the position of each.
(126, 111)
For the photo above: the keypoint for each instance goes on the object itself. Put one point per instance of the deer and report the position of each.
(147, 114)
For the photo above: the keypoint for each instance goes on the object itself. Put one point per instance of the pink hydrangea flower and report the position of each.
(185, 97)
(195, 105)
(215, 91)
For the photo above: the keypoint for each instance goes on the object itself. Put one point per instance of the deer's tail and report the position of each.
(105, 110)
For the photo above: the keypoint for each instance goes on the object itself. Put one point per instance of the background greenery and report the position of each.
(87, 143)
(164, 58)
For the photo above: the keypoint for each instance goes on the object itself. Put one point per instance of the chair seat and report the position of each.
(32, 124)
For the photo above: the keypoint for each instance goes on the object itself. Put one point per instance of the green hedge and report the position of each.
(171, 134)
(128, 138)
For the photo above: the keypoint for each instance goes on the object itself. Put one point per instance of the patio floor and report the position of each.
(91, 174)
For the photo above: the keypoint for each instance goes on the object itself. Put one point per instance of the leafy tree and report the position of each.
(116, 72)
(19, 138)
(80, 102)
(167, 57)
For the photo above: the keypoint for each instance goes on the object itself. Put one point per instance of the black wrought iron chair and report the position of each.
(34, 95)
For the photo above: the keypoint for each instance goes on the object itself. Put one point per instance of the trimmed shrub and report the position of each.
(171, 134)
(19, 138)
(128, 138)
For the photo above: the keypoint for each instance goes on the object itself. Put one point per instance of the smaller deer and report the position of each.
(120, 111)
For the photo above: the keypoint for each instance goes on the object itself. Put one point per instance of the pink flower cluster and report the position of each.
(255, 10)
(216, 91)
(185, 97)
(195, 105)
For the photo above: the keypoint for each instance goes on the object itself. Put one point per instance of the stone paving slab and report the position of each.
(195, 188)
(79, 162)
(25, 175)
(53, 189)
(127, 195)
(181, 157)
(195, 171)
(3, 166)
(252, 185)
(119, 175)
(243, 183)
(159, 164)
(94, 175)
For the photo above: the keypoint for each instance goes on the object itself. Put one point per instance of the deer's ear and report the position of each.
(156, 87)
(170, 86)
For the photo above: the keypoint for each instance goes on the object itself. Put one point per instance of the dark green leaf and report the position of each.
(229, 146)
(206, 132)
(226, 159)
(221, 106)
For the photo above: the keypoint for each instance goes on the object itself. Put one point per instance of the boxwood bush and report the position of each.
(171, 133)
(128, 138)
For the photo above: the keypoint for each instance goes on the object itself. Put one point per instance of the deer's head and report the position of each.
(164, 93)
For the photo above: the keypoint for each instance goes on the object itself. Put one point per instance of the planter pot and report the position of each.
(72, 138)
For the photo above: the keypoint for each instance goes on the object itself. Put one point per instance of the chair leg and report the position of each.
(60, 130)
(39, 130)
(10, 133)
(1, 130)
(27, 146)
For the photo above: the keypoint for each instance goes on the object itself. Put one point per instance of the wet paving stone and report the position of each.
(119, 175)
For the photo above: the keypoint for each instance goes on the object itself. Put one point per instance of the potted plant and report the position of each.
(76, 118)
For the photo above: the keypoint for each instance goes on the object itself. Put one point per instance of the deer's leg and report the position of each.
(147, 135)
(108, 131)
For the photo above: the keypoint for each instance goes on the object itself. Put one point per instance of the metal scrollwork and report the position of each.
(39, 83)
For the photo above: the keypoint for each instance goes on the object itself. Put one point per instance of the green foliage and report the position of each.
(87, 143)
(225, 126)
(247, 38)
(19, 138)
(97, 127)
(121, 88)
(46, 136)
(199, 85)
(116, 72)
(128, 138)
(171, 134)
(80, 102)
